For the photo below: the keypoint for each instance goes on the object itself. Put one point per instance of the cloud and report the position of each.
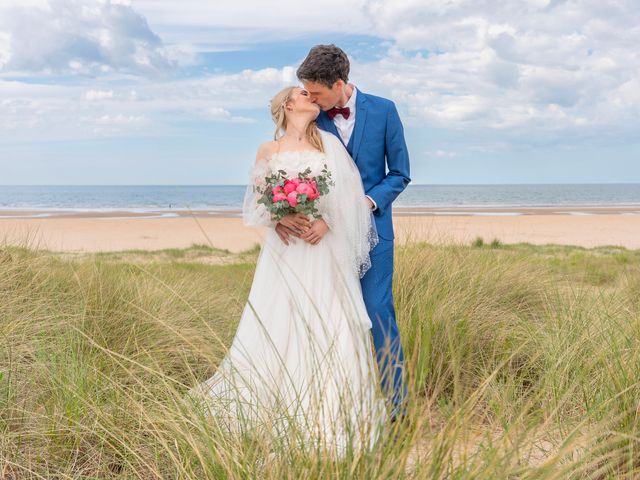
(118, 119)
(532, 71)
(40, 112)
(547, 66)
(82, 36)
(440, 153)
(228, 25)
(223, 115)
(98, 94)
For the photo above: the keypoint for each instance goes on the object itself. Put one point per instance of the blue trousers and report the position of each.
(378, 298)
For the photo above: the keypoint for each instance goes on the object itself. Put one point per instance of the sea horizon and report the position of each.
(412, 184)
(143, 199)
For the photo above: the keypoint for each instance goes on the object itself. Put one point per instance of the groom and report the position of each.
(370, 129)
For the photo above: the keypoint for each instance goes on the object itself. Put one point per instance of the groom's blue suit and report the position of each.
(378, 135)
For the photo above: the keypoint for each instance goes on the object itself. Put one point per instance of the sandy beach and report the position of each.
(115, 231)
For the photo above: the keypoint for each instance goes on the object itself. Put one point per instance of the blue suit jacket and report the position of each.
(377, 137)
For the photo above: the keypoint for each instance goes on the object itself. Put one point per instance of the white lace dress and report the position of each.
(302, 355)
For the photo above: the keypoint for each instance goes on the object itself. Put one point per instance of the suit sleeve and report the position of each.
(397, 178)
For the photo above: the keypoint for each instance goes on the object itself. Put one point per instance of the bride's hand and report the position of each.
(297, 223)
(318, 230)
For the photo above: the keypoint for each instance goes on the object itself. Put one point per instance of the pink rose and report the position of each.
(292, 198)
(278, 197)
(277, 189)
(313, 193)
(296, 181)
(303, 188)
(289, 187)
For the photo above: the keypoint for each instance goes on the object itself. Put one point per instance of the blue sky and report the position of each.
(158, 92)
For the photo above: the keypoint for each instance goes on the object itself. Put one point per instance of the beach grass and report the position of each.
(522, 363)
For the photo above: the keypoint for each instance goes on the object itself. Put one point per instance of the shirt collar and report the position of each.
(351, 103)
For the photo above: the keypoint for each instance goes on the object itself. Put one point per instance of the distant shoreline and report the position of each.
(489, 211)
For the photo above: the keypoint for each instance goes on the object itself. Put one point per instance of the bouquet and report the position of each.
(282, 195)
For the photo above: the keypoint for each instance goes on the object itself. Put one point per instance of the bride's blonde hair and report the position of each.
(278, 103)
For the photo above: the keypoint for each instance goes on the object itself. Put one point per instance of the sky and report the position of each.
(159, 92)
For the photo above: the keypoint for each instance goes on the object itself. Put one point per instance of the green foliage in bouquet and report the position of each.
(282, 195)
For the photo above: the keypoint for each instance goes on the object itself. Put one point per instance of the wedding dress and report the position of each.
(301, 359)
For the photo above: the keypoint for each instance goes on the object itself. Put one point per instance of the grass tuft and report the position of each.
(522, 362)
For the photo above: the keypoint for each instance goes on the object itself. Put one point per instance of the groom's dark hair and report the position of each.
(325, 64)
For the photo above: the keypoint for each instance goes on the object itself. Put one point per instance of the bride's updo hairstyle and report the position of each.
(278, 102)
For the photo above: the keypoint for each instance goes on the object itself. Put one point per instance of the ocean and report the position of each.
(148, 198)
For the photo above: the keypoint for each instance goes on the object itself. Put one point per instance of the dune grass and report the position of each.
(522, 362)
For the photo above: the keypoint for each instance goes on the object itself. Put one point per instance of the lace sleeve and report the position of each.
(326, 204)
(255, 214)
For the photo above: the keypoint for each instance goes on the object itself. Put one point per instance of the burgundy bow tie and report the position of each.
(332, 112)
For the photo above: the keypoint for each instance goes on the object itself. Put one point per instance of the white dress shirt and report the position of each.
(345, 126)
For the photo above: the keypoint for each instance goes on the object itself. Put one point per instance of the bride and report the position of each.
(300, 366)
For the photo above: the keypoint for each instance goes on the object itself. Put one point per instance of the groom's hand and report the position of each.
(318, 230)
(370, 203)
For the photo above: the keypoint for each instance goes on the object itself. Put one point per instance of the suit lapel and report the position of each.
(361, 118)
